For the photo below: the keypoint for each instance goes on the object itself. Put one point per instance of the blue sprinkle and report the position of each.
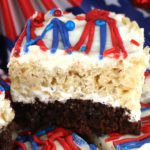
(78, 140)
(1, 89)
(70, 52)
(100, 23)
(126, 148)
(40, 133)
(70, 25)
(52, 11)
(83, 48)
(5, 85)
(25, 50)
(92, 147)
(101, 57)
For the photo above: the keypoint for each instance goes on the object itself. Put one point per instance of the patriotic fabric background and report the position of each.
(14, 13)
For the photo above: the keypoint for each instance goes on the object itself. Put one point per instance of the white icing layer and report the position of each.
(6, 113)
(146, 90)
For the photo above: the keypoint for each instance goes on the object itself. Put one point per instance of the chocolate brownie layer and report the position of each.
(6, 142)
(82, 116)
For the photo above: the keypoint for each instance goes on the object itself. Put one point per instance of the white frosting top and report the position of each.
(127, 29)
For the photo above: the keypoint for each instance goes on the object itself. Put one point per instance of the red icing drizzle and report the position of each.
(117, 43)
(61, 135)
(135, 42)
(36, 22)
(22, 145)
(113, 136)
(131, 139)
(16, 51)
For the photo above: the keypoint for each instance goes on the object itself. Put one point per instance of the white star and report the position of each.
(112, 2)
(145, 14)
(92, 7)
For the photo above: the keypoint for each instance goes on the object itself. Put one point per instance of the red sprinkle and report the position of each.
(147, 74)
(57, 13)
(24, 133)
(145, 105)
(108, 51)
(132, 139)
(135, 42)
(19, 144)
(69, 140)
(143, 119)
(113, 136)
(78, 17)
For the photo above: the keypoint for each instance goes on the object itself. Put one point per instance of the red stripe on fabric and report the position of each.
(75, 2)
(26, 7)
(132, 139)
(8, 21)
(145, 105)
(147, 74)
(145, 118)
(49, 4)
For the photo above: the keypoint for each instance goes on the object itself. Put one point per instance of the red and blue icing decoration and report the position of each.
(45, 139)
(94, 18)
(129, 143)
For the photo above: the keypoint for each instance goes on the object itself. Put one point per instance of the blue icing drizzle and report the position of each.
(102, 25)
(132, 144)
(78, 140)
(58, 27)
(55, 39)
(83, 48)
(1, 88)
(52, 11)
(28, 37)
(40, 133)
(70, 25)
(33, 143)
(92, 147)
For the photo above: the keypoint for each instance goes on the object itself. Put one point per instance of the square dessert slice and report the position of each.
(6, 124)
(82, 72)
